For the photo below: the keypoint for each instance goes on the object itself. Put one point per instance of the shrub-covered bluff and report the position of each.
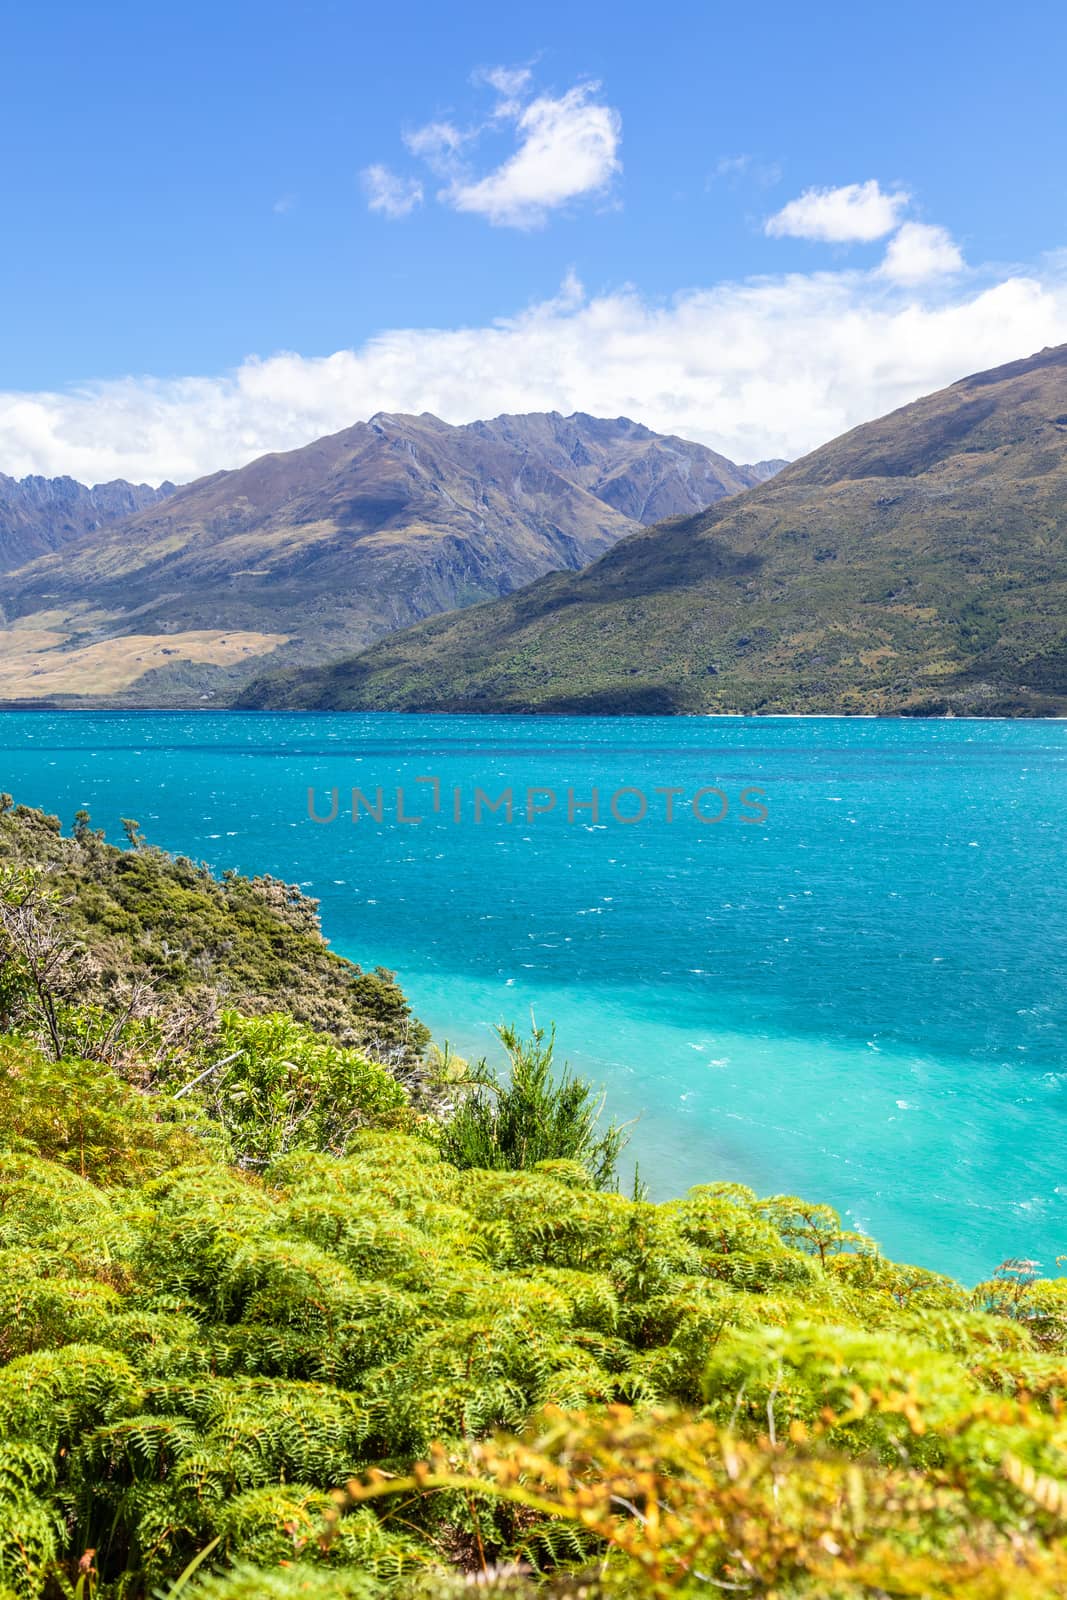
(272, 1325)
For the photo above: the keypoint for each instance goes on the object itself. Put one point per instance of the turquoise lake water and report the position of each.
(860, 999)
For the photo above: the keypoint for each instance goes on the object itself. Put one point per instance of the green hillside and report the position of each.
(916, 565)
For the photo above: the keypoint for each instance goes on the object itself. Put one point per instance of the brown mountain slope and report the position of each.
(328, 547)
(917, 563)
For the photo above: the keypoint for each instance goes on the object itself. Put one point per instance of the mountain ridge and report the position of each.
(301, 554)
(39, 515)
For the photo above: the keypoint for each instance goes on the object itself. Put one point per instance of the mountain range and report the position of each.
(304, 555)
(39, 515)
(918, 564)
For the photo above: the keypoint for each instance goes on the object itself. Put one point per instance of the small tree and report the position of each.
(533, 1116)
(132, 829)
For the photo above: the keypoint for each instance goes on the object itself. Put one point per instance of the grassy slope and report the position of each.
(919, 563)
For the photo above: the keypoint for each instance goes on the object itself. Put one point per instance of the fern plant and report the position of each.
(385, 1375)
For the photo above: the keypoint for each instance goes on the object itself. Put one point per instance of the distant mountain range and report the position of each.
(302, 556)
(39, 515)
(916, 565)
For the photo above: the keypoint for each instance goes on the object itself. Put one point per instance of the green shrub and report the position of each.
(275, 1086)
(533, 1116)
(166, 926)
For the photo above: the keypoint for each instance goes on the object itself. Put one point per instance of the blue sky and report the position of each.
(188, 190)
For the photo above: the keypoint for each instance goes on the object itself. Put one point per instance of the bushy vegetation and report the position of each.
(165, 937)
(268, 1329)
(531, 1115)
(372, 1373)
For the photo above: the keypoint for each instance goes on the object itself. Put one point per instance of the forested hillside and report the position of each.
(144, 935)
(278, 1320)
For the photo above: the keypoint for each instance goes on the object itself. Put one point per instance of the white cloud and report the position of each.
(771, 367)
(918, 251)
(855, 213)
(568, 147)
(861, 213)
(393, 196)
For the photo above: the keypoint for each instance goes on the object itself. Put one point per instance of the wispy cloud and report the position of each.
(438, 144)
(386, 192)
(854, 213)
(566, 148)
(509, 82)
(747, 168)
(765, 368)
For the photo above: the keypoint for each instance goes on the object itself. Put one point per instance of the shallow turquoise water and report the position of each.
(860, 999)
